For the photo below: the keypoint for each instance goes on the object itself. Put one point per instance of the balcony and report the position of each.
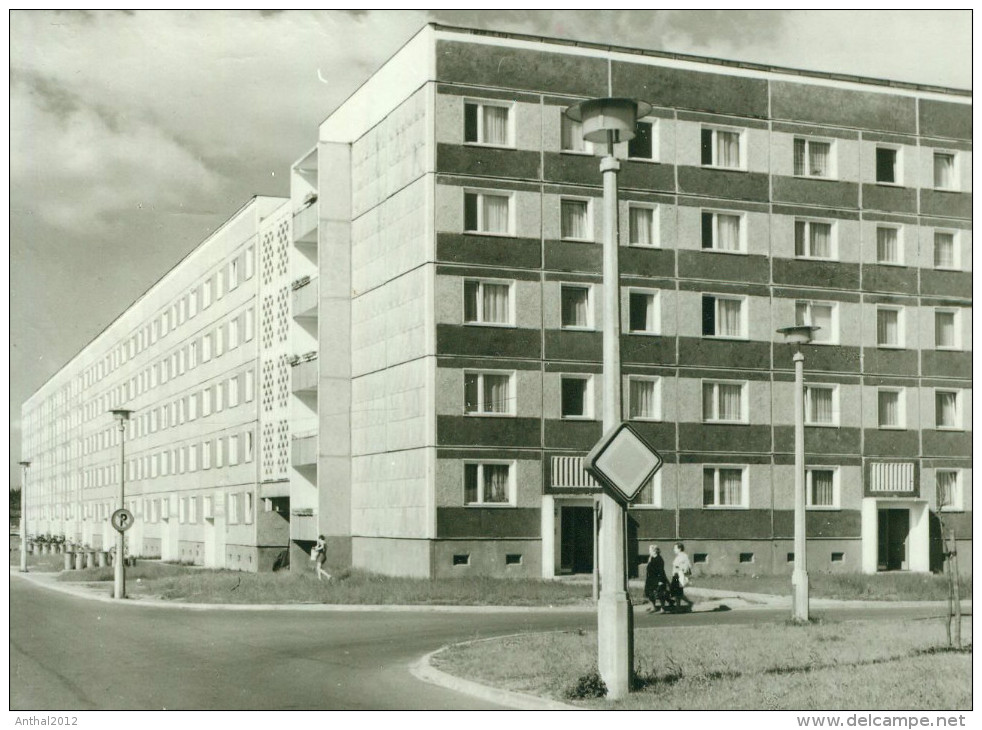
(305, 297)
(303, 524)
(305, 224)
(303, 375)
(304, 450)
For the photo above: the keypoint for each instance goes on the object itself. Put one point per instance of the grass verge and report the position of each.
(875, 665)
(844, 586)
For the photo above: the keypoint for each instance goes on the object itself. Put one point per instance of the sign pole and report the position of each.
(121, 415)
(23, 518)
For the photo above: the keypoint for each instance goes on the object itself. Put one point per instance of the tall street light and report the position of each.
(119, 584)
(23, 517)
(799, 335)
(610, 121)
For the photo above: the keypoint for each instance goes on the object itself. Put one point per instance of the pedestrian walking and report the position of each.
(655, 580)
(681, 571)
(319, 556)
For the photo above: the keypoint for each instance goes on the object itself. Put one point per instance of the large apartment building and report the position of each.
(427, 353)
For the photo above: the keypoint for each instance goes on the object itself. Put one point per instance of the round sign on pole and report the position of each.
(122, 520)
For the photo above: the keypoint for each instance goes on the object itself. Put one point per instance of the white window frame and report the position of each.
(588, 397)
(233, 450)
(590, 318)
(744, 306)
(955, 181)
(510, 283)
(833, 172)
(744, 489)
(901, 424)
(744, 400)
(233, 274)
(809, 416)
(715, 129)
(654, 210)
(512, 501)
(509, 194)
(955, 249)
(958, 426)
(958, 498)
(590, 235)
(836, 492)
(656, 495)
(901, 327)
(653, 122)
(512, 395)
(900, 244)
(898, 164)
(588, 147)
(250, 262)
(741, 236)
(656, 381)
(833, 239)
(655, 303)
(480, 103)
(956, 328)
(809, 304)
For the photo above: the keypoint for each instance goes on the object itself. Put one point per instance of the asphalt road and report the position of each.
(69, 653)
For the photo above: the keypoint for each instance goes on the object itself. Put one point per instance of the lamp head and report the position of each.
(800, 334)
(121, 414)
(600, 116)
(24, 463)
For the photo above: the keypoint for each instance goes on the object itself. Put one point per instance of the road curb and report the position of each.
(424, 670)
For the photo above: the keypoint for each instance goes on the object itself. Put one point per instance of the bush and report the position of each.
(588, 687)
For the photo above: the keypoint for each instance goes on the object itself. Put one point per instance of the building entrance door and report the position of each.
(893, 530)
(576, 540)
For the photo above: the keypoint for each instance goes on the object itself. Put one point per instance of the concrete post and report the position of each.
(23, 518)
(614, 614)
(119, 573)
(799, 578)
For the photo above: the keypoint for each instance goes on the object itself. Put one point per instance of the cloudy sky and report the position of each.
(134, 135)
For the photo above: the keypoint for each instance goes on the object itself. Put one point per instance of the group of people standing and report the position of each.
(667, 594)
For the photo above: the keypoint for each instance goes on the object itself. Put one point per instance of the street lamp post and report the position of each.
(799, 335)
(608, 122)
(23, 517)
(119, 584)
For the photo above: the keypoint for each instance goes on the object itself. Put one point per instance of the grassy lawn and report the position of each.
(845, 586)
(39, 563)
(875, 665)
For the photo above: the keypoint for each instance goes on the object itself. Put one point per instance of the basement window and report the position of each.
(790, 557)
(746, 557)
(513, 559)
(700, 557)
(838, 557)
(462, 559)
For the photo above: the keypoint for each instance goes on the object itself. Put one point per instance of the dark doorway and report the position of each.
(893, 528)
(576, 543)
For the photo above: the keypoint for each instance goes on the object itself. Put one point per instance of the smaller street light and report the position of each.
(799, 335)
(23, 517)
(121, 415)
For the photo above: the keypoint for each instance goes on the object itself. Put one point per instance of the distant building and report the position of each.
(422, 374)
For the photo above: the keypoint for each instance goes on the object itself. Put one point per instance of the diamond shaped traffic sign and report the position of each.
(623, 461)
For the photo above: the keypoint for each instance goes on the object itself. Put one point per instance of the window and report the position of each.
(192, 406)
(575, 305)
(888, 249)
(233, 274)
(233, 450)
(946, 409)
(233, 392)
(571, 136)
(487, 123)
(887, 165)
(945, 252)
(642, 147)
(945, 329)
(643, 312)
(233, 509)
(206, 454)
(193, 510)
(219, 284)
(821, 405)
(233, 334)
(487, 302)
(724, 401)
(650, 494)
(193, 355)
(812, 158)
(250, 386)
(206, 348)
(219, 397)
(249, 447)
(250, 324)
(722, 231)
(192, 302)
(949, 490)
(890, 407)
(823, 315)
(219, 340)
(488, 393)
(206, 294)
(487, 213)
(206, 402)
(813, 239)
(723, 316)
(721, 148)
(575, 220)
(944, 171)
(723, 487)
(821, 488)
(576, 397)
(193, 457)
(488, 484)
(219, 452)
(889, 327)
(642, 224)
(248, 508)
(645, 398)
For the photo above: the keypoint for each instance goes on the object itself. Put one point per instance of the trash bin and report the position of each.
(103, 558)
(79, 560)
(69, 559)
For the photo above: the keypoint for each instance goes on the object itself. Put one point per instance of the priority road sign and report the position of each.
(623, 461)
(122, 520)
